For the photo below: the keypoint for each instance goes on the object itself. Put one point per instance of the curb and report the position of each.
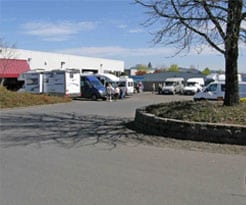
(197, 131)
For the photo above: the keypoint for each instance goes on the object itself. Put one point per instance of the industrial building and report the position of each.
(13, 62)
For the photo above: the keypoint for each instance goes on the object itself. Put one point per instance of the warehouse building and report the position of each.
(13, 62)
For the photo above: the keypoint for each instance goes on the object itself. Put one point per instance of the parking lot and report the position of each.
(127, 106)
(80, 119)
(82, 153)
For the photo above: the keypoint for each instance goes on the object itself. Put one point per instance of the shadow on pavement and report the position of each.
(74, 131)
(67, 130)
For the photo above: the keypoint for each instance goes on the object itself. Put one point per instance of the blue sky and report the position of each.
(95, 28)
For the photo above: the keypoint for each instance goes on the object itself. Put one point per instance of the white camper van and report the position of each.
(108, 78)
(219, 77)
(193, 85)
(173, 86)
(127, 83)
(214, 77)
(216, 91)
(33, 81)
(62, 82)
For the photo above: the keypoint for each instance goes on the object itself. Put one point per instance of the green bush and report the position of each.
(243, 100)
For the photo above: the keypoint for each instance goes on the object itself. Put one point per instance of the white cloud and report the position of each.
(155, 55)
(137, 30)
(112, 51)
(121, 52)
(53, 31)
(122, 26)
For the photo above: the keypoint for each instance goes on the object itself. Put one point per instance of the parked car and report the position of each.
(173, 86)
(216, 91)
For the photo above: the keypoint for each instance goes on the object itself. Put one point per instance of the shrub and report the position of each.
(243, 100)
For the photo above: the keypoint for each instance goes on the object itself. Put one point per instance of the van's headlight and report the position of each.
(102, 92)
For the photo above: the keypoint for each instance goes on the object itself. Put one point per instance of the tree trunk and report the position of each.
(231, 89)
(231, 52)
(2, 82)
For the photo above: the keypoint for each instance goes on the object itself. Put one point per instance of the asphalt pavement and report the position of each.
(79, 153)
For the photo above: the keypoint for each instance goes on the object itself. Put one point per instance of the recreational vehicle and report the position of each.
(193, 85)
(173, 86)
(62, 82)
(108, 78)
(127, 84)
(215, 77)
(33, 81)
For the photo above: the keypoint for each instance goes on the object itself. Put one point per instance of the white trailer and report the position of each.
(33, 82)
(62, 82)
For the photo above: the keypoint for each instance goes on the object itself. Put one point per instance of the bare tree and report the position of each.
(198, 23)
(6, 54)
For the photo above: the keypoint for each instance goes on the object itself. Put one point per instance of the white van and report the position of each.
(214, 77)
(216, 91)
(127, 83)
(173, 86)
(193, 85)
(108, 78)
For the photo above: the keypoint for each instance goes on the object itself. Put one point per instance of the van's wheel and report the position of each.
(94, 97)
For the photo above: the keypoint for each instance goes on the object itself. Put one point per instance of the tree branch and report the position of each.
(213, 19)
(244, 16)
(196, 31)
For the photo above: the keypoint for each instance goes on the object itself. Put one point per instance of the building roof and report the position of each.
(12, 68)
(161, 77)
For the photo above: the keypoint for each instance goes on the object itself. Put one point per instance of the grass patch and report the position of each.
(213, 112)
(10, 99)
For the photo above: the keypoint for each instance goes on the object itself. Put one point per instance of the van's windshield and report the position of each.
(190, 84)
(96, 83)
(170, 83)
(212, 88)
(122, 84)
